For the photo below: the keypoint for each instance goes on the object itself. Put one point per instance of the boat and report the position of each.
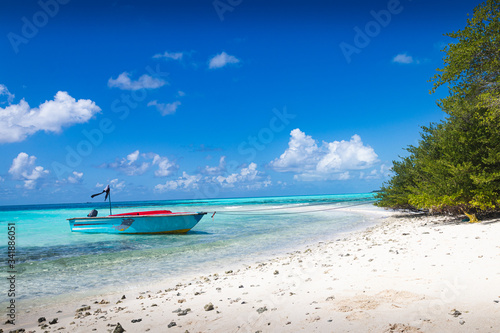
(147, 222)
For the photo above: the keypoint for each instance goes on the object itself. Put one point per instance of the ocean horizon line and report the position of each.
(131, 203)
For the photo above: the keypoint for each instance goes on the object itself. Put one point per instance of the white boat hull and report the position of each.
(173, 223)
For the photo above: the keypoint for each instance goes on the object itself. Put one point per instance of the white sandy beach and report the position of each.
(408, 273)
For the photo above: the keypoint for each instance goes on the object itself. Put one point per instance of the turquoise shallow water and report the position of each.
(51, 261)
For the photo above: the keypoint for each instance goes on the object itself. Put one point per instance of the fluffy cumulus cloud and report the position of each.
(23, 168)
(169, 55)
(247, 177)
(124, 82)
(297, 157)
(403, 58)
(165, 109)
(246, 174)
(117, 185)
(185, 182)
(165, 166)
(128, 165)
(332, 160)
(136, 163)
(215, 170)
(18, 121)
(75, 178)
(221, 60)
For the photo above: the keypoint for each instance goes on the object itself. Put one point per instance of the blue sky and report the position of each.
(203, 99)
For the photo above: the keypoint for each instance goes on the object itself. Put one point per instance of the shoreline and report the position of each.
(223, 263)
(406, 273)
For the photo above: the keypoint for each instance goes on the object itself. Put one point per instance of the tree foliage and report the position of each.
(456, 165)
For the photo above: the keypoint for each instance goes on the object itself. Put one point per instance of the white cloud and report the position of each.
(216, 170)
(23, 168)
(75, 178)
(403, 58)
(136, 163)
(297, 157)
(18, 121)
(185, 182)
(117, 185)
(331, 161)
(124, 82)
(99, 185)
(128, 166)
(165, 109)
(165, 166)
(248, 177)
(170, 55)
(247, 174)
(5, 92)
(132, 157)
(221, 60)
(383, 172)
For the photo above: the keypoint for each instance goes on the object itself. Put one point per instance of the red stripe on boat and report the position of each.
(152, 212)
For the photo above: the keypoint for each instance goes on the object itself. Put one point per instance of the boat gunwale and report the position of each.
(136, 216)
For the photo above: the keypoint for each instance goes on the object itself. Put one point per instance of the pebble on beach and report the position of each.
(118, 328)
(261, 309)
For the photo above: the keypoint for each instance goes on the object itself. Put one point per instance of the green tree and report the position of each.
(456, 166)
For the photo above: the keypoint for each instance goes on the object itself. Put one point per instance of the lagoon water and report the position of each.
(52, 262)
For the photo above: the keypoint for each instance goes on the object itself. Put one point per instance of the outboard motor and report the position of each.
(93, 213)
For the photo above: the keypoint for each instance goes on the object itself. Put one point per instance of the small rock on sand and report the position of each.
(184, 312)
(53, 321)
(118, 328)
(261, 309)
(83, 308)
(172, 324)
(209, 307)
(400, 328)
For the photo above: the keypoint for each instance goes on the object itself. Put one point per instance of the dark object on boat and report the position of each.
(93, 213)
(106, 190)
(126, 223)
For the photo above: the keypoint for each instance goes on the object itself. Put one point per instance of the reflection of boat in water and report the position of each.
(152, 222)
